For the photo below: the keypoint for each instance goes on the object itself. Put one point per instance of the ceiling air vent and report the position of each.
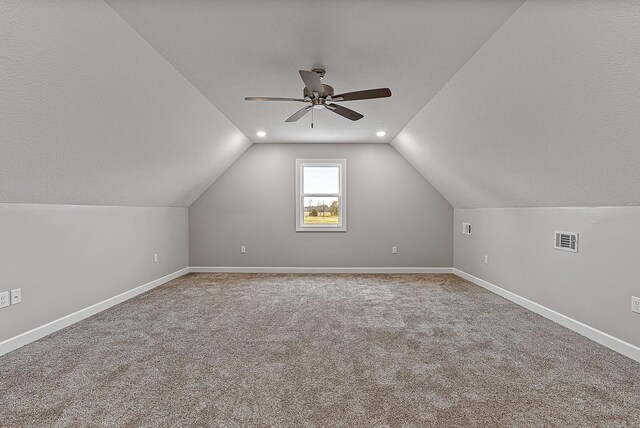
(567, 241)
(466, 228)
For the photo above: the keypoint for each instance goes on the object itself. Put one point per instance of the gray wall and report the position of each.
(593, 286)
(252, 204)
(68, 257)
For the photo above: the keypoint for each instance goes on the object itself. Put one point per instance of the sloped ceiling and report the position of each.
(546, 113)
(91, 114)
(232, 49)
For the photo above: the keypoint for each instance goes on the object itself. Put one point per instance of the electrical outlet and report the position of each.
(243, 249)
(394, 250)
(155, 258)
(486, 259)
(4, 299)
(16, 296)
(635, 304)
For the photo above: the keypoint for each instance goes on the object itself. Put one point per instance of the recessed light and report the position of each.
(381, 133)
(261, 134)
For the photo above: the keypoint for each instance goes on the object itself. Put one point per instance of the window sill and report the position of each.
(321, 229)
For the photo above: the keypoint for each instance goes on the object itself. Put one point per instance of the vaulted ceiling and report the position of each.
(232, 49)
(496, 103)
(546, 113)
(91, 114)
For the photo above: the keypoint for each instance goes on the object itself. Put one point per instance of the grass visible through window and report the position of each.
(321, 212)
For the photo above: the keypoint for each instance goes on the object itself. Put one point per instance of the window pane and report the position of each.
(320, 210)
(321, 179)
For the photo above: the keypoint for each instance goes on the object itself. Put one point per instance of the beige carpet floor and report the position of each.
(268, 350)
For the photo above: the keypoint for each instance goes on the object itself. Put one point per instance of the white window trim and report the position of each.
(342, 196)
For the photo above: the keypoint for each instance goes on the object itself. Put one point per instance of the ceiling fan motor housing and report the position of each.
(327, 91)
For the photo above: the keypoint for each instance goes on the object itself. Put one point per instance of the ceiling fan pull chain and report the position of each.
(312, 118)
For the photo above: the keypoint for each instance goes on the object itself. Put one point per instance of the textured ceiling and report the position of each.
(546, 113)
(91, 114)
(97, 109)
(232, 49)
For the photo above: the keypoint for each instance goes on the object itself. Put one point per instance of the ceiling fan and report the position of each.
(320, 96)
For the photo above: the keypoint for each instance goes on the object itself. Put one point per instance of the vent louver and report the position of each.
(567, 241)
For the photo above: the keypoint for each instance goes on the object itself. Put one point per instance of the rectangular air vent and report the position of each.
(466, 228)
(567, 241)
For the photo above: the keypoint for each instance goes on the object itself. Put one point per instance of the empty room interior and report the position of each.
(288, 213)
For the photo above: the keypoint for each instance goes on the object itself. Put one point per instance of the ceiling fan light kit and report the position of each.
(321, 97)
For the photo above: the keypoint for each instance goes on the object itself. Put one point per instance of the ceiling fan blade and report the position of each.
(363, 95)
(345, 112)
(297, 115)
(311, 81)
(272, 99)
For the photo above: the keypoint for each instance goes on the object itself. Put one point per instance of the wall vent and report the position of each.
(466, 228)
(567, 241)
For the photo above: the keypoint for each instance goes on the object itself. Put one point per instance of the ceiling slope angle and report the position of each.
(91, 114)
(229, 50)
(546, 113)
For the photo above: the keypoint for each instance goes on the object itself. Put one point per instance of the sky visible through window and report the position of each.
(321, 179)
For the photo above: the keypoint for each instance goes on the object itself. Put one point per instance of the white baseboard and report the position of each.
(271, 269)
(53, 326)
(594, 334)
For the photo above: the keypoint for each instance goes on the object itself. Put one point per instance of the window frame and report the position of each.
(342, 195)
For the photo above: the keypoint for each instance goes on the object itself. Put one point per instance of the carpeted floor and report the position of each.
(244, 350)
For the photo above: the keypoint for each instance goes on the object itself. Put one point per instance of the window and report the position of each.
(321, 192)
